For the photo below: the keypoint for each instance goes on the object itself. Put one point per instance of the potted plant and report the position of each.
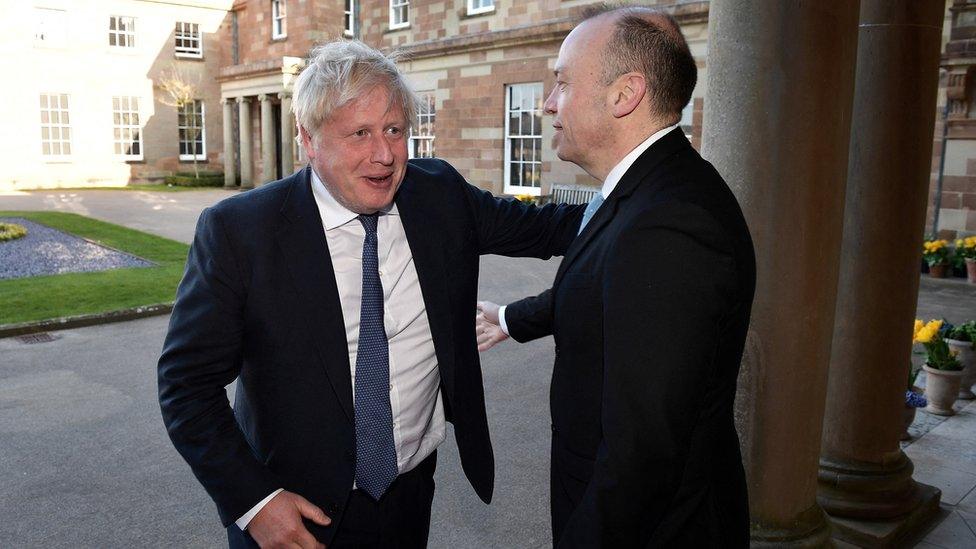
(943, 372)
(936, 255)
(914, 400)
(966, 249)
(962, 341)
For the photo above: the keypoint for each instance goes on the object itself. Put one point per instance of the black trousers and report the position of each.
(400, 519)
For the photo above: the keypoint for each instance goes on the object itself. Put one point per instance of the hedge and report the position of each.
(206, 179)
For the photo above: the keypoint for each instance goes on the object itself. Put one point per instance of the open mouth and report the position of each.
(380, 180)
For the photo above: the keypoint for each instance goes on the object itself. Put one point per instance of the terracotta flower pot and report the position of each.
(941, 390)
(971, 270)
(967, 358)
(938, 271)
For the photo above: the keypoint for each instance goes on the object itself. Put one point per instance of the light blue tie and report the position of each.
(376, 461)
(591, 209)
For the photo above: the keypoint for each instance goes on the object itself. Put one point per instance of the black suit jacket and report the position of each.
(649, 309)
(258, 302)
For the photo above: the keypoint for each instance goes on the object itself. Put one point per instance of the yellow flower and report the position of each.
(927, 333)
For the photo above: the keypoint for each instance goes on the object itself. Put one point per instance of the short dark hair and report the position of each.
(650, 42)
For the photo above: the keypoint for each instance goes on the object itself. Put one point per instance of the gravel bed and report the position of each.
(46, 251)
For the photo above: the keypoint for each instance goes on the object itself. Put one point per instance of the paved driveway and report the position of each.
(170, 214)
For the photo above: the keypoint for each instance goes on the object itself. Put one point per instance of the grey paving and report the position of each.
(169, 214)
(44, 251)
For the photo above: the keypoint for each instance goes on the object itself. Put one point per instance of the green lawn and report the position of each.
(54, 296)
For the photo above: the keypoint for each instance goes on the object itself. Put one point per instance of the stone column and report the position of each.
(287, 135)
(230, 175)
(247, 168)
(865, 479)
(777, 127)
(268, 172)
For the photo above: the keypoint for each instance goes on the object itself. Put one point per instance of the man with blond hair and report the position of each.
(649, 308)
(340, 298)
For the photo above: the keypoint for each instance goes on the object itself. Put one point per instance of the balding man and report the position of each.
(650, 307)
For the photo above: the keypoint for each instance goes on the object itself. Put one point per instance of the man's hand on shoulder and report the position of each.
(488, 326)
(279, 523)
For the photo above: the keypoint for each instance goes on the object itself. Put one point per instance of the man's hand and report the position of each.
(488, 327)
(279, 523)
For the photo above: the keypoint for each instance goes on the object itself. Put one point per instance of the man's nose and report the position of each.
(550, 105)
(382, 152)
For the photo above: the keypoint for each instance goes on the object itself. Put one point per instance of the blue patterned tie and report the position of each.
(591, 209)
(376, 461)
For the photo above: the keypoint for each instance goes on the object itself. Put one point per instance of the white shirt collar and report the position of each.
(621, 168)
(333, 213)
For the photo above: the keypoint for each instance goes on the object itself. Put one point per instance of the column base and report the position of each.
(889, 533)
(244, 187)
(811, 530)
(230, 186)
(867, 491)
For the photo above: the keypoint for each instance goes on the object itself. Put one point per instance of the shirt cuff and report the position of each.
(501, 319)
(246, 519)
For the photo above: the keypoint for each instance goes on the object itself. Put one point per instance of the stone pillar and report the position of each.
(230, 175)
(865, 479)
(777, 127)
(287, 135)
(268, 172)
(247, 168)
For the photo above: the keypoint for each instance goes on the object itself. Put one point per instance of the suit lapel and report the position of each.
(301, 239)
(664, 148)
(422, 223)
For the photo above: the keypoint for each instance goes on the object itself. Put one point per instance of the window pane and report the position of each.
(65, 148)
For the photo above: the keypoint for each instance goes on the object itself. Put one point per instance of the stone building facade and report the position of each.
(483, 68)
(952, 197)
(87, 108)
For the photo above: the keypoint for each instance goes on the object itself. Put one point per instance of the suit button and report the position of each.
(557, 350)
(553, 427)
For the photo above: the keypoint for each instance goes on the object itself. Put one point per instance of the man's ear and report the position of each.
(306, 139)
(627, 93)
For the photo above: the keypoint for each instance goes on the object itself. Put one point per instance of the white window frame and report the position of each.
(534, 135)
(192, 41)
(279, 19)
(127, 35)
(480, 6)
(50, 27)
(202, 155)
(58, 125)
(399, 7)
(126, 129)
(349, 23)
(422, 131)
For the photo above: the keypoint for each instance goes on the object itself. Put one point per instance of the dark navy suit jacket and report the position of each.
(649, 310)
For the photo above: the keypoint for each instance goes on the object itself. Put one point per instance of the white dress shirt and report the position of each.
(415, 397)
(609, 184)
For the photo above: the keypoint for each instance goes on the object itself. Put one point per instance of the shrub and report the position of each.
(11, 231)
(206, 179)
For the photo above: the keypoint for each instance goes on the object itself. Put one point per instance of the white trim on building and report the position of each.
(523, 138)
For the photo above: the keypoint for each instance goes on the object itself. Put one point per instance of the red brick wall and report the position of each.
(307, 23)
